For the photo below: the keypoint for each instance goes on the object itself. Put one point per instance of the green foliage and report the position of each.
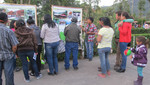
(140, 31)
(141, 21)
(123, 5)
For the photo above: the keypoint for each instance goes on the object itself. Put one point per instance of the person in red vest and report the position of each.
(125, 39)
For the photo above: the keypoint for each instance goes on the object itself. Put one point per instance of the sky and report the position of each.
(105, 2)
(1, 1)
(102, 3)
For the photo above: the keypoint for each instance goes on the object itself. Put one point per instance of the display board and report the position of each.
(19, 11)
(63, 15)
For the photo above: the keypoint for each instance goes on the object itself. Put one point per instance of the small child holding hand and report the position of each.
(139, 58)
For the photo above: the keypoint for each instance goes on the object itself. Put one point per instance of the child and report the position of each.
(139, 58)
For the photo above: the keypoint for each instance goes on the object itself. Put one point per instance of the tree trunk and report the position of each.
(132, 7)
(29, 2)
(21, 1)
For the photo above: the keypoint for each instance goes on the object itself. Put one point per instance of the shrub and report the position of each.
(140, 31)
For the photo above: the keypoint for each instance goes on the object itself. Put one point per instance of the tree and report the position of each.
(123, 5)
(91, 4)
(141, 7)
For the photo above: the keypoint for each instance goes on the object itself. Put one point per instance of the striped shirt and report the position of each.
(7, 40)
(91, 28)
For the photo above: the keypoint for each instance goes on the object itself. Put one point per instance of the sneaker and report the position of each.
(26, 80)
(55, 72)
(116, 68)
(50, 74)
(90, 59)
(18, 69)
(67, 69)
(121, 70)
(76, 68)
(32, 74)
(40, 76)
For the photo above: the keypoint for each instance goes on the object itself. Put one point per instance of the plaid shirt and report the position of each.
(91, 28)
(7, 40)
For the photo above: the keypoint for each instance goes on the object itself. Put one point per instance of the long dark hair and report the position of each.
(48, 20)
(30, 21)
(106, 21)
(127, 16)
(20, 23)
(12, 24)
(144, 40)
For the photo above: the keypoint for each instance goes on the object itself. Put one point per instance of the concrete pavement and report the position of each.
(87, 75)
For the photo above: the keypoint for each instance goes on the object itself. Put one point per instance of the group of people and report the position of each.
(123, 41)
(25, 40)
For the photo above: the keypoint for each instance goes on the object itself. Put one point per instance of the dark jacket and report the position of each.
(26, 38)
(140, 56)
(37, 33)
(72, 33)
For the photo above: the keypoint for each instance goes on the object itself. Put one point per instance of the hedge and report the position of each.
(140, 31)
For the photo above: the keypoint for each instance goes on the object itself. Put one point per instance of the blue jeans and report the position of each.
(23, 56)
(71, 47)
(89, 49)
(51, 56)
(140, 71)
(123, 47)
(103, 54)
(8, 70)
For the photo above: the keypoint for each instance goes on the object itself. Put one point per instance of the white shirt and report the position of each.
(50, 35)
(107, 36)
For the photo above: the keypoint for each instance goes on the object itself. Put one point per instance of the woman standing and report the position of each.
(125, 39)
(13, 28)
(27, 47)
(37, 31)
(50, 34)
(104, 40)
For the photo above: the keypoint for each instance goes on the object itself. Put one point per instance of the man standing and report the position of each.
(8, 46)
(72, 33)
(118, 53)
(90, 31)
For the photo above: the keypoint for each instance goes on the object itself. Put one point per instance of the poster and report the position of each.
(63, 15)
(19, 11)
